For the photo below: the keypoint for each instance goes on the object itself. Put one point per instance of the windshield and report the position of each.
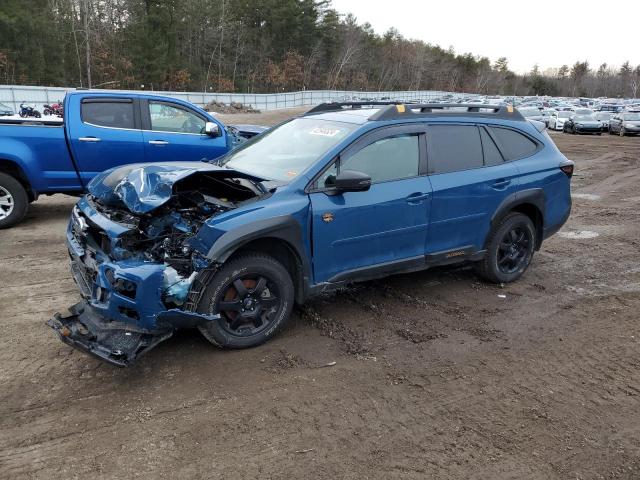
(284, 152)
(585, 118)
(603, 116)
(583, 111)
(564, 114)
(632, 116)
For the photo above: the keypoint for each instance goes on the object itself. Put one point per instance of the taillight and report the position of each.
(568, 170)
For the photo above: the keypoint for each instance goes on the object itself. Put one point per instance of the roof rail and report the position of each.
(398, 110)
(337, 106)
(416, 110)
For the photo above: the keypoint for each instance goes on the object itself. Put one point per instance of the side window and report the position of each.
(108, 114)
(453, 148)
(391, 158)
(514, 145)
(492, 155)
(169, 118)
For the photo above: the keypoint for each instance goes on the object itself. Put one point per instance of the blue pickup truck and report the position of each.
(102, 130)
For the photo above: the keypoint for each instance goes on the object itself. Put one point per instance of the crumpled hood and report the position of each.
(142, 187)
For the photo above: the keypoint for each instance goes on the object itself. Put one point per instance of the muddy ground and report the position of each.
(436, 375)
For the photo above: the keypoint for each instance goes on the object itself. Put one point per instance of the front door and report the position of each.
(173, 132)
(359, 234)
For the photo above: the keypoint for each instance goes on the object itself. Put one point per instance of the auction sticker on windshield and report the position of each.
(325, 132)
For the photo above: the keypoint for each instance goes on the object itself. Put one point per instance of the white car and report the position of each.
(557, 119)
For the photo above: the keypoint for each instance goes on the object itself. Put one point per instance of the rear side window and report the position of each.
(492, 155)
(453, 148)
(108, 114)
(514, 145)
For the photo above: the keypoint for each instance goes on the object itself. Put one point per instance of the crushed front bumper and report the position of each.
(89, 332)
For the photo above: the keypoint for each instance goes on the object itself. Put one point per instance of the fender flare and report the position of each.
(284, 228)
(532, 196)
(535, 196)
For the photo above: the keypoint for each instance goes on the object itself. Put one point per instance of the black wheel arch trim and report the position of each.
(285, 228)
(533, 196)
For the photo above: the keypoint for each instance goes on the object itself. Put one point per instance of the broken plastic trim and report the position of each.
(89, 332)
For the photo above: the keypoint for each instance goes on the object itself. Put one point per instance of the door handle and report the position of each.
(417, 197)
(89, 139)
(158, 142)
(501, 184)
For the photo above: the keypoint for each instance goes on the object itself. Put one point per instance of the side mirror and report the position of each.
(212, 129)
(351, 181)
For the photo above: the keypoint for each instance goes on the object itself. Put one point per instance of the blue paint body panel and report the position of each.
(399, 222)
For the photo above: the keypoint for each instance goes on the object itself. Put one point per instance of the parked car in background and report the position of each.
(625, 123)
(604, 117)
(581, 123)
(556, 121)
(230, 246)
(533, 113)
(608, 107)
(5, 110)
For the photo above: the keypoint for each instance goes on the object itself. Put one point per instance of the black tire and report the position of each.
(14, 201)
(622, 132)
(494, 268)
(254, 318)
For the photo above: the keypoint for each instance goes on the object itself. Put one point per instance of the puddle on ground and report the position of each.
(579, 234)
(586, 196)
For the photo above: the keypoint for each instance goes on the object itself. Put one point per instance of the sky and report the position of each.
(543, 32)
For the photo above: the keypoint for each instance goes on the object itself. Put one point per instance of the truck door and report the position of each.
(174, 132)
(106, 134)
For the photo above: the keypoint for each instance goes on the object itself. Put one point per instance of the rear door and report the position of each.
(359, 234)
(173, 132)
(107, 134)
(470, 179)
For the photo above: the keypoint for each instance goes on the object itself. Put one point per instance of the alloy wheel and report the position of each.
(249, 305)
(6, 203)
(514, 249)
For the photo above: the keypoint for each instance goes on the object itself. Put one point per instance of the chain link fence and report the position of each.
(14, 95)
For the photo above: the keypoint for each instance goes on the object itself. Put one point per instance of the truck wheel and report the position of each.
(14, 201)
(510, 249)
(253, 294)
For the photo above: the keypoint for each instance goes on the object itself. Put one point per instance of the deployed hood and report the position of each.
(142, 187)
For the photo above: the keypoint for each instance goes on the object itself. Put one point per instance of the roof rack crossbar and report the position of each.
(337, 106)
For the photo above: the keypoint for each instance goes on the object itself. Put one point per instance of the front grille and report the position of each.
(83, 277)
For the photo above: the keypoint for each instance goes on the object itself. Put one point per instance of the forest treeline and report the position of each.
(255, 46)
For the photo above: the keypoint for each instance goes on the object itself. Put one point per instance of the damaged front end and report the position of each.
(136, 254)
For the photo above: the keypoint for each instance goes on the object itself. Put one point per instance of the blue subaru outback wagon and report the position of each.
(346, 192)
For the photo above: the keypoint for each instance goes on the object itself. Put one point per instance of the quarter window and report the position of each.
(514, 145)
(169, 118)
(492, 155)
(390, 158)
(453, 148)
(108, 114)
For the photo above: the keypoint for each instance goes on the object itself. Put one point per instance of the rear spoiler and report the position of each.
(540, 126)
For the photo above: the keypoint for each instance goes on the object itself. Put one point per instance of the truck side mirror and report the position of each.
(212, 129)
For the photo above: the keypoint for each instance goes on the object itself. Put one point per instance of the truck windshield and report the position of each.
(284, 152)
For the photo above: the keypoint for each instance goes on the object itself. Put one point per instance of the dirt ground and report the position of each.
(436, 374)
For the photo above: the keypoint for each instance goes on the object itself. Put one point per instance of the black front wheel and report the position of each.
(510, 248)
(253, 295)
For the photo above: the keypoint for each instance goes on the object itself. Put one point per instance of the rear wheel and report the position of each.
(14, 201)
(510, 248)
(253, 294)
(622, 132)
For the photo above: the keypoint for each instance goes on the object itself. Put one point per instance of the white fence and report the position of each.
(14, 95)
